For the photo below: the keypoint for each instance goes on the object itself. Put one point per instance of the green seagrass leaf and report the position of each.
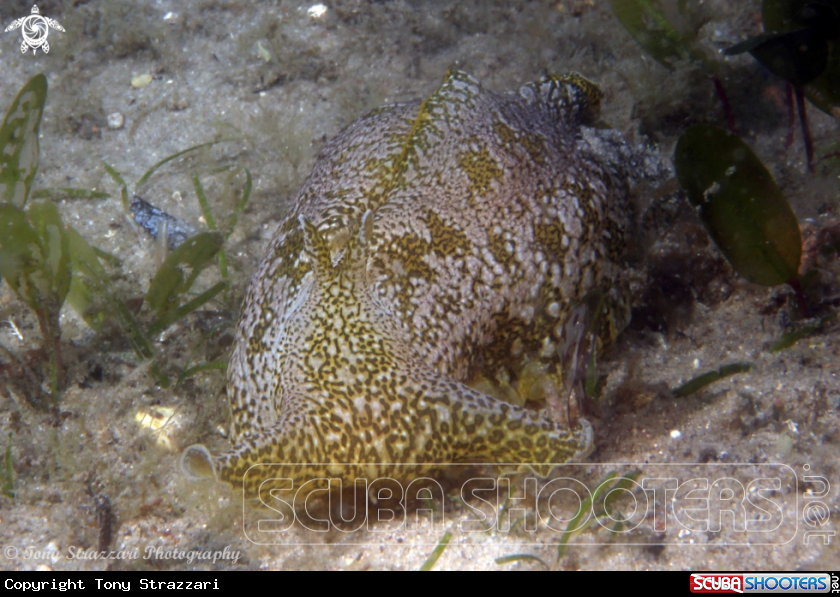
(740, 205)
(19, 142)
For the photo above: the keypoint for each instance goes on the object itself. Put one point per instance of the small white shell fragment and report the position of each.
(675, 434)
(141, 80)
(316, 11)
(162, 420)
(263, 52)
(116, 121)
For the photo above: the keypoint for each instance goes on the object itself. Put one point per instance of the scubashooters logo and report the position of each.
(756, 582)
(658, 504)
(35, 29)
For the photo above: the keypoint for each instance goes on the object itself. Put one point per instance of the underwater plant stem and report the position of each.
(800, 297)
(724, 102)
(51, 333)
(791, 115)
(211, 224)
(223, 270)
(438, 551)
(806, 131)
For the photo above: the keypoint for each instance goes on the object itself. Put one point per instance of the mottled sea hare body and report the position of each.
(436, 248)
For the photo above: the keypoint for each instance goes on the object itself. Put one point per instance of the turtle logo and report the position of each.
(35, 31)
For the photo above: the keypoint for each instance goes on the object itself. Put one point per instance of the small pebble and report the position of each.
(177, 103)
(116, 121)
(141, 81)
(675, 434)
(784, 445)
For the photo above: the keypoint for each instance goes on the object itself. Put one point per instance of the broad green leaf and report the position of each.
(740, 205)
(179, 270)
(84, 258)
(82, 298)
(783, 16)
(21, 255)
(35, 261)
(19, 142)
(799, 56)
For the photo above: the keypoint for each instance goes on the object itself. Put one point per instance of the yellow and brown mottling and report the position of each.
(435, 245)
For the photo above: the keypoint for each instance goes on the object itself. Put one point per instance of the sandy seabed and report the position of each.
(275, 80)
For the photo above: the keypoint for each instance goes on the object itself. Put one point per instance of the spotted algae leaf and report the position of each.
(19, 150)
(48, 226)
(35, 263)
(21, 254)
